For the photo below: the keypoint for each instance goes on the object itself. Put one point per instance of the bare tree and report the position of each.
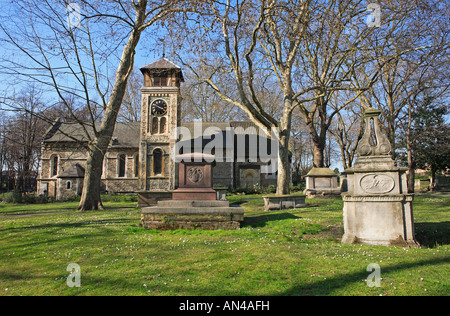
(402, 48)
(310, 48)
(78, 58)
(202, 102)
(246, 41)
(347, 129)
(131, 104)
(22, 136)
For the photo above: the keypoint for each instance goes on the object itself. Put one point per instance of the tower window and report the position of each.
(136, 165)
(157, 162)
(55, 166)
(155, 125)
(162, 125)
(121, 167)
(160, 80)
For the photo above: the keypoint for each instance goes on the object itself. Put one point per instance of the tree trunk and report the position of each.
(318, 155)
(433, 180)
(411, 166)
(283, 178)
(90, 198)
(412, 173)
(284, 166)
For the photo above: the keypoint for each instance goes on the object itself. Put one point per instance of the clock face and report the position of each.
(159, 107)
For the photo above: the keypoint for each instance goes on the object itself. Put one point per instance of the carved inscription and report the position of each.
(377, 183)
(195, 174)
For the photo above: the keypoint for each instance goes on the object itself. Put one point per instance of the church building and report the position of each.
(140, 158)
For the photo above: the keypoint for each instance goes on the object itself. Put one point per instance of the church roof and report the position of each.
(74, 171)
(162, 63)
(126, 135)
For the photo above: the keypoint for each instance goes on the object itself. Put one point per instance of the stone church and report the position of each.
(140, 158)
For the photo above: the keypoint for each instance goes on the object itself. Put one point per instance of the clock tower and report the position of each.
(160, 116)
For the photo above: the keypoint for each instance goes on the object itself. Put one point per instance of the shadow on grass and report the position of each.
(328, 285)
(432, 234)
(262, 220)
(48, 233)
(55, 227)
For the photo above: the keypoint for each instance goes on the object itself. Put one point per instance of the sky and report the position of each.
(150, 48)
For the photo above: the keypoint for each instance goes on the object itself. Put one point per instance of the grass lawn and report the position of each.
(289, 252)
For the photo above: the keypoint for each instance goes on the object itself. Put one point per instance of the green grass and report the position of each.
(289, 252)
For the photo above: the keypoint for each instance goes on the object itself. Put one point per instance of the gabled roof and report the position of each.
(125, 134)
(325, 172)
(74, 171)
(162, 63)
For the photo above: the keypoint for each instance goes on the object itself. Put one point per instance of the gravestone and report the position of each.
(321, 182)
(195, 178)
(377, 208)
(442, 183)
(194, 204)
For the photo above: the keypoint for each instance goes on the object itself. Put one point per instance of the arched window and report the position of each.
(136, 165)
(69, 185)
(157, 162)
(162, 125)
(54, 163)
(121, 166)
(155, 125)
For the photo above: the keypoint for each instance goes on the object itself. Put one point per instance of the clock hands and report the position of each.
(159, 107)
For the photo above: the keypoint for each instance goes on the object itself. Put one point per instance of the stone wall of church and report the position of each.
(69, 188)
(56, 158)
(68, 154)
(227, 174)
(115, 182)
(223, 174)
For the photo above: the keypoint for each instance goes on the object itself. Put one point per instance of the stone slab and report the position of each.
(194, 194)
(194, 217)
(169, 225)
(192, 203)
(147, 198)
(279, 202)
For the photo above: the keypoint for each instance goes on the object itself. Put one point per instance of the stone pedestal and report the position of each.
(194, 204)
(184, 214)
(195, 178)
(321, 182)
(151, 198)
(279, 202)
(377, 208)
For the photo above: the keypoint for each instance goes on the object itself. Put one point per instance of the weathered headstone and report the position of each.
(377, 207)
(321, 182)
(194, 204)
(195, 178)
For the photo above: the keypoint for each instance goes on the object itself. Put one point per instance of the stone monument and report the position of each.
(321, 182)
(194, 204)
(195, 178)
(377, 207)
